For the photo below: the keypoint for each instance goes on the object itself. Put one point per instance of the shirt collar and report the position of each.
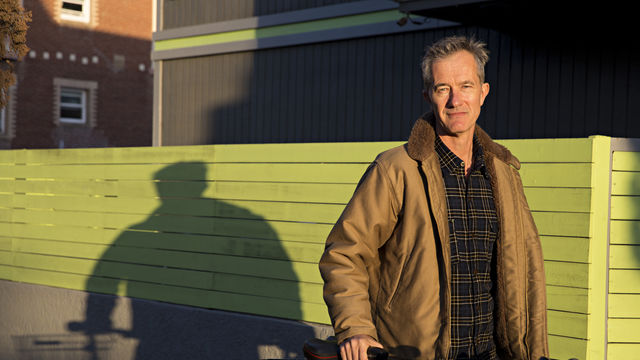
(453, 163)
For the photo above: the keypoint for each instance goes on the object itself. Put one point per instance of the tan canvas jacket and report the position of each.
(386, 263)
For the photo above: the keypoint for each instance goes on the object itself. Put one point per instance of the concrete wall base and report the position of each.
(41, 322)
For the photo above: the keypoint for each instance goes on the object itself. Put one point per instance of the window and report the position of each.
(73, 106)
(3, 121)
(75, 10)
(7, 117)
(75, 102)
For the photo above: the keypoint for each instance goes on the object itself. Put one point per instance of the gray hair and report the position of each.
(448, 46)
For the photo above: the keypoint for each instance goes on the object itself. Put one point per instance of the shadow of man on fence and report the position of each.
(190, 251)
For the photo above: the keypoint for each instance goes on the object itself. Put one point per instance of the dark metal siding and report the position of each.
(369, 89)
(179, 13)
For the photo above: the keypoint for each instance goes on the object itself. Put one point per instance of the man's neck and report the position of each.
(462, 146)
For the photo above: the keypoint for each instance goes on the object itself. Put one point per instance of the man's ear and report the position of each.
(484, 93)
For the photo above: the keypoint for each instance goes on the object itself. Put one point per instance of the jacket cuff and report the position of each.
(344, 335)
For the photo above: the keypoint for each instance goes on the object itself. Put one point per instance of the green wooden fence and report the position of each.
(241, 227)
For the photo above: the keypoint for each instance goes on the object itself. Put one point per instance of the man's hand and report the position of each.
(355, 347)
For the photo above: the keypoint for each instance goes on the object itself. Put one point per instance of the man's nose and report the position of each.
(454, 98)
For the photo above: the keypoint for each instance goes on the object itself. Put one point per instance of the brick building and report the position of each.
(88, 79)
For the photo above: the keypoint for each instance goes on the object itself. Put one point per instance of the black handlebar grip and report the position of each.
(376, 353)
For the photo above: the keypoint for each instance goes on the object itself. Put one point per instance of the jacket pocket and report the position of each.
(393, 285)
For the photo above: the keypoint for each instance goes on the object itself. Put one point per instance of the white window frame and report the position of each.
(89, 102)
(72, 15)
(7, 115)
(82, 106)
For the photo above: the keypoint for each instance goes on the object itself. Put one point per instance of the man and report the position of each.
(437, 253)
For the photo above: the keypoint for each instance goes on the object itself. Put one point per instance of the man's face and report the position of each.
(457, 94)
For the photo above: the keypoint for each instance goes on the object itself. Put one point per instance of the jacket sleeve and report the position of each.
(350, 258)
(536, 338)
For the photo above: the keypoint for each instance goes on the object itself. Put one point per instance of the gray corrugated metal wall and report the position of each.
(369, 89)
(179, 13)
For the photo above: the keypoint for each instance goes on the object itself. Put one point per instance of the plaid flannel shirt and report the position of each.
(473, 228)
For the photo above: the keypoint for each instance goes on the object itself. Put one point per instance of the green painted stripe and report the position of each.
(279, 30)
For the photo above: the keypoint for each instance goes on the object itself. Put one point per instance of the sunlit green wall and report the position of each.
(241, 227)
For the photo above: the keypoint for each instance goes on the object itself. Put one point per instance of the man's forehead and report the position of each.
(457, 68)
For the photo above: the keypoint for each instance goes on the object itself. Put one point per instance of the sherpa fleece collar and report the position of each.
(422, 138)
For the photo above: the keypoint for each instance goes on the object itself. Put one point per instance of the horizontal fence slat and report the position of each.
(223, 190)
(235, 246)
(559, 248)
(625, 183)
(576, 175)
(624, 257)
(6, 243)
(266, 153)
(550, 150)
(561, 347)
(263, 268)
(624, 330)
(558, 199)
(624, 232)
(251, 228)
(626, 161)
(624, 281)
(562, 223)
(566, 274)
(527, 150)
(569, 299)
(199, 207)
(624, 305)
(567, 324)
(540, 199)
(623, 351)
(625, 207)
(274, 172)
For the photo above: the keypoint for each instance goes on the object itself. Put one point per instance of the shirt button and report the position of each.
(462, 164)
